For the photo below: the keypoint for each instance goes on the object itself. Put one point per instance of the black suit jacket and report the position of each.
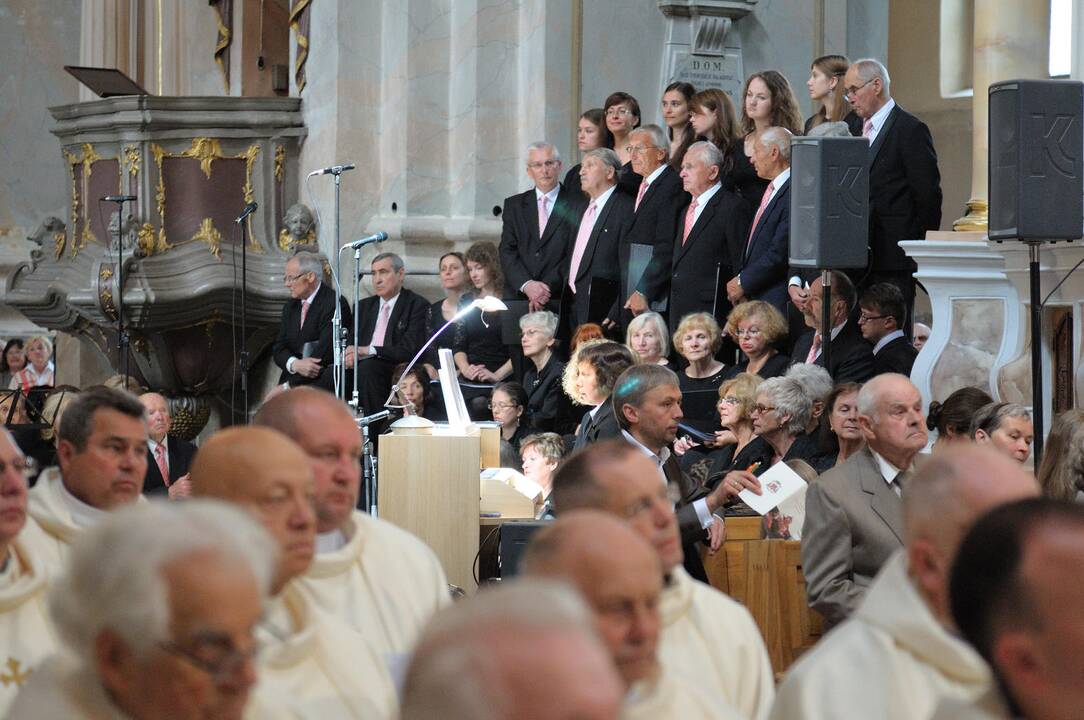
(898, 356)
(765, 262)
(653, 224)
(904, 190)
(600, 256)
(403, 338)
(292, 336)
(852, 356)
(179, 455)
(526, 256)
(602, 427)
(548, 408)
(703, 264)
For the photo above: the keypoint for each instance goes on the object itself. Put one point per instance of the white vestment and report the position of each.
(989, 706)
(26, 633)
(319, 667)
(712, 641)
(891, 659)
(669, 697)
(60, 690)
(385, 583)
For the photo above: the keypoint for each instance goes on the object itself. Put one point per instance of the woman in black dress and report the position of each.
(507, 404)
(622, 117)
(480, 353)
(456, 284)
(825, 86)
(548, 409)
(767, 101)
(675, 114)
(759, 328)
(591, 134)
(697, 339)
(713, 118)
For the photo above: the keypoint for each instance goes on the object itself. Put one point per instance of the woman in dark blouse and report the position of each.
(767, 101)
(759, 328)
(622, 117)
(697, 339)
(548, 409)
(713, 118)
(480, 352)
(591, 134)
(456, 284)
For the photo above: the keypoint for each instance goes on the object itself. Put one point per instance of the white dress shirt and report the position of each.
(878, 119)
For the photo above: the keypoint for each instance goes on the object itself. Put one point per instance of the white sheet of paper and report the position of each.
(777, 484)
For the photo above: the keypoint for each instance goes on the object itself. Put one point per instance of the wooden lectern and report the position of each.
(428, 485)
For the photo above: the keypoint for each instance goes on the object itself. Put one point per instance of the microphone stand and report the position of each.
(826, 318)
(357, 305)
(368, 459)
(122, 336)
(242, 360)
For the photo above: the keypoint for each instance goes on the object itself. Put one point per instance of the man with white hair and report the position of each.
(549, 661)
(899, 655)
(854, 512)
(904, 182)
(711, 234)
(593, 269)
(168, 457)
(379, 579)
(623, 590)
(313, 664)
(659, 200)
(156, 613)
(706, 638)
(26, 636)
(102, 456)
(765, 256)
(535, 236)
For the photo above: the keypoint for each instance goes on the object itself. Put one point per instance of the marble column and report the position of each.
(1011, 40)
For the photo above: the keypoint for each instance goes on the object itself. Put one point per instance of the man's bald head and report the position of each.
(324, 428)
(942, 501)
(621, 587)
(267, 473)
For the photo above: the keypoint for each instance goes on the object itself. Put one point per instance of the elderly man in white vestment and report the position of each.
(707, 638)
(26, 635)
(102, 453)
(623, 590)
(316, 664)
(548, 664)
(898, 655)
(1016, 594)
(156, 612)
(380, 579)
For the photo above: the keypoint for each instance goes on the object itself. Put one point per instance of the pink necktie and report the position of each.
(640, 195)
(760, 211)
(304, 311)
(587, 224)
(543, 215)
(160, 458)
(689, 215)
(381, 326)
(867, 129)
(814, 349)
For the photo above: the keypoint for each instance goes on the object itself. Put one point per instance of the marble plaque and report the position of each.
(977, 327)
(708, 71)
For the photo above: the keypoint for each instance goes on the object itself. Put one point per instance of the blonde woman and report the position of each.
(647, 336)
(697, 339)
(39, 370)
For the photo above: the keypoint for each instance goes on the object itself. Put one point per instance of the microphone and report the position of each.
(119, 198)
(334, 169)
(370, 419)
(249, 209)
(376, 238)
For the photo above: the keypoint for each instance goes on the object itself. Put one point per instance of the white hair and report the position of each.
(815, 380)
(778, 138)
(543, 145)
(309, 262)
(544, 320)
(869, 396)
(114, 578)
(708, 153)
(608, 157)
(658, 138)
(455, 671)
(789, 398)
(870, 68)
(652, 318)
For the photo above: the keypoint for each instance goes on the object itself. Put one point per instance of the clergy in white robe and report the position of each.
(379, 579)
(317, 664)
(898, 656)
(668, 697)
(26, 635)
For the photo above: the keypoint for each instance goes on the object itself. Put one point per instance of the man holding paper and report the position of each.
(898, 656)
(854, 513)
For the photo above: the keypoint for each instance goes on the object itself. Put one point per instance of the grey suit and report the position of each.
(853, 523)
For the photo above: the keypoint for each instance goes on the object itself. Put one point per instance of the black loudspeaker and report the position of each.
(829, 204)
(1035, 147)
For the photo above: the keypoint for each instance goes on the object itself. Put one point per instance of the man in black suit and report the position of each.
(391, 327)
(303, 348)
(168, 457)
(535, 237)
(593, 268)
(904, 182)
(709, 239)
(659, 200)
(881, 320)
(852, 356)
(764, 259)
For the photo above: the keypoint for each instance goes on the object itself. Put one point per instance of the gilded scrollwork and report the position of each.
(105, 294)
(79, 170)
(209, 235)
(132, 160)
(59, 240)
(280, 162)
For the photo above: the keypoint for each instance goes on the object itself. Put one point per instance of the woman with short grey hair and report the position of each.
(546, 404)
(780, 417)
(1006, 427)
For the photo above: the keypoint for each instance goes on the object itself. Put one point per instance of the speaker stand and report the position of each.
(826, 318)
(1036, 350)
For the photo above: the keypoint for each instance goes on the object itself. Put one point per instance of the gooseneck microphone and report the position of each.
(119, 198)
(375, 238)
(334, 170)
(249, 209)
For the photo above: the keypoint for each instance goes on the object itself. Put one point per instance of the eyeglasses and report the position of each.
(852, 91)
(291, 279)
(618, 112)
(762, 409)
(730, 400)
(223, 668)
(544, 163)
(502, 406)
(864, 318)
(749, 332)
(637, 149)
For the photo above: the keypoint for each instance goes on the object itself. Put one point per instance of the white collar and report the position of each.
(83, 515)
(835, 331)
(888, 470)
(659, 459)
(391, 302)
(703, 198)
(878, 118)
(552, 194)
(312, 297)
(600, 201)
(779, 179)
(152, 445)
(330, 542)
(655, 174)
(595, 409)
(887, 339)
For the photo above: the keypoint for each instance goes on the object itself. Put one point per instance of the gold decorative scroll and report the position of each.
(105, 295)
(206, 150)
(299, 23)
(81, 182)
(280, 162)
(224, 20)
(59, 240)
(132, 160)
